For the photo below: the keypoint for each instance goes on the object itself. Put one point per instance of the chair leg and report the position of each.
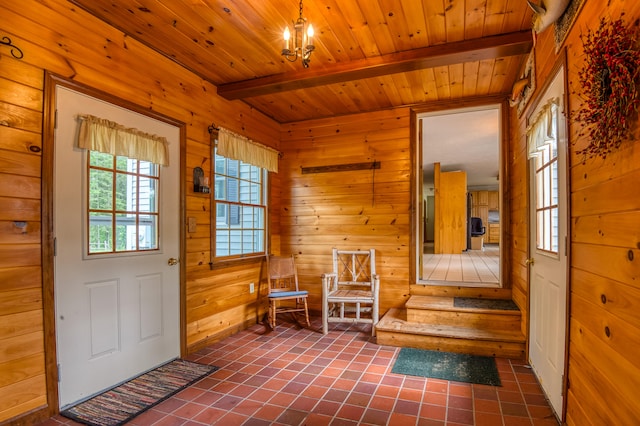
(325, 307)
(325, 318)
(301, 306)
(306, 312)
(374, 318)
(272, 314)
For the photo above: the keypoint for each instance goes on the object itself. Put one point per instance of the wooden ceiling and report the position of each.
(369, 54)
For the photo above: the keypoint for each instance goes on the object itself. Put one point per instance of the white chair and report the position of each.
(350, 292)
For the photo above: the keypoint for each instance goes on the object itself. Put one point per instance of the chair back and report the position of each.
(282, 274)
(477, 228)
(355, 268)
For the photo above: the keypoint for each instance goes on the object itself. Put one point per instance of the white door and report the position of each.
(117, 315)
(548, 261)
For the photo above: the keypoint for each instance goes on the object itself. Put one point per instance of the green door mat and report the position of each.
(497, 304)
(447, 366)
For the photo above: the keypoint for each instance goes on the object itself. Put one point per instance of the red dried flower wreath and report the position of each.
(609, 82)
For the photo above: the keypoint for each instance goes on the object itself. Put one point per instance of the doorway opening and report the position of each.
(458, 164)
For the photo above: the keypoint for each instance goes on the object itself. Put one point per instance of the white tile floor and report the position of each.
(480, 268)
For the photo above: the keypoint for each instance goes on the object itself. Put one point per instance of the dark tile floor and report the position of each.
(294, 376)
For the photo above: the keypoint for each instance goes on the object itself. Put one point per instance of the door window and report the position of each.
(543, 149)
(122, 204)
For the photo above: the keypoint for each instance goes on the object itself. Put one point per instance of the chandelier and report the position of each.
(302, 41)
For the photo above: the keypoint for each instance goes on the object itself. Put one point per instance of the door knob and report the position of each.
(172, 261)
(530, 261)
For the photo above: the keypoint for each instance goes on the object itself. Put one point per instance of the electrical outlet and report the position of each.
(191, 224)
(251, 288)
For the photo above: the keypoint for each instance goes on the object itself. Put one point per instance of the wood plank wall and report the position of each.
(348, 209)
(603, 373)
(318, 211)
(58, 37)
(22, 350)
(451, 212)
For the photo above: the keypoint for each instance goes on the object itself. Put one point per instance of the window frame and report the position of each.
(545, 164)
(215, 203)
(114, 211)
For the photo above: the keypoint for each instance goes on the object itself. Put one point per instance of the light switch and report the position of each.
(191, 224)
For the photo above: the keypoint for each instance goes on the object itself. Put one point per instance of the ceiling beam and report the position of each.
(498, 46)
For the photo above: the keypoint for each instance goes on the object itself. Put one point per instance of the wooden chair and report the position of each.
(283, 287)
(351, 290)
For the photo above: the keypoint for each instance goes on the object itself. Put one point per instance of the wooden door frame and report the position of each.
(561, 62)
(48, 244)
(503, 170)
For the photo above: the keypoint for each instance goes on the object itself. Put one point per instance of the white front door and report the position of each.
(117, 315)
(548, 261)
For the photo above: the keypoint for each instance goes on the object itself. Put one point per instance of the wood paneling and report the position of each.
(604, 274)
(348, 209)
(602, 370)
(22, 366)
(451, 212)
(358, 209)
(59, 37)
(369, 54)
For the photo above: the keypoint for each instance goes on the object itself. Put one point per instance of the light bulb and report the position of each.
(310, 35)
(287, 36)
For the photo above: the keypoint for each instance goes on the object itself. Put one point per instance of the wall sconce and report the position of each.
(200, 182)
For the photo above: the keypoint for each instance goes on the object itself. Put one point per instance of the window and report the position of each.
(122, 204)
(543, 149)
(547, 198)
(239, 207)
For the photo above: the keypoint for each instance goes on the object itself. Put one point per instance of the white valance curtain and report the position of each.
(544, 128)
(99, 134)
(237, 147)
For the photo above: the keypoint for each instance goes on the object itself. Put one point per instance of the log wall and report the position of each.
(57, 37)
(357, 209)
(604, 323)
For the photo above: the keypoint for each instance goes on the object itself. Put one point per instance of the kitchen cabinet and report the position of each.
(482, 203)
(493, 231)
(493, 200)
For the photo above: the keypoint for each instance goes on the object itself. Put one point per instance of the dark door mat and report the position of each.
(120, 404)
(496, 304)
(447, 366)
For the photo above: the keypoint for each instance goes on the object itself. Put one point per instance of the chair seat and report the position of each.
(282, 294)
(350, 296)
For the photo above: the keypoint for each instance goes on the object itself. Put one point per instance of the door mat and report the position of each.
(447, 366)
(123, 402)
(497, 304)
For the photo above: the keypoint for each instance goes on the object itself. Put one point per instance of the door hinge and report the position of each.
(55, 119)
(58, 373)
(565, 245)
(55, 246)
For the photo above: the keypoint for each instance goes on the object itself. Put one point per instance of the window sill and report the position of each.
(221, 264)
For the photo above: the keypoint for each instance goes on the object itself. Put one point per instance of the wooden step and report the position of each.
(394, 330)
(459, 291)
(443, 310)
